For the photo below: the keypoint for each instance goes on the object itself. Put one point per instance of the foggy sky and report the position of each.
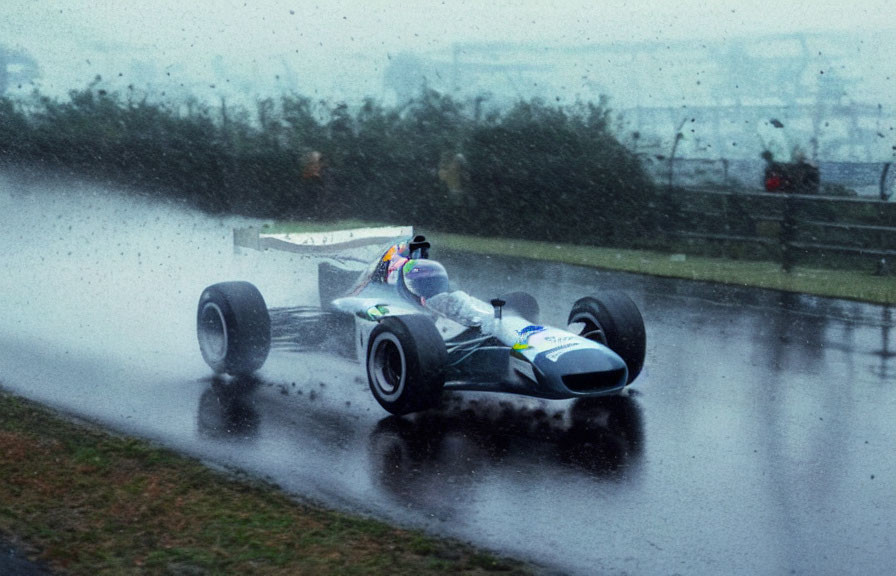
(342, 45)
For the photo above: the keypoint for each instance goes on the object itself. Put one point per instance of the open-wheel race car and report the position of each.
(417, 335)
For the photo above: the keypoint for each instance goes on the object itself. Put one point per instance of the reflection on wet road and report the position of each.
(758, 440)
(600, 438)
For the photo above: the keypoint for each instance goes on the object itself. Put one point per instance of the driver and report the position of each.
(387, 270)
(406, 266)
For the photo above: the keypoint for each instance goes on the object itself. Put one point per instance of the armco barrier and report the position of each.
(789, 228)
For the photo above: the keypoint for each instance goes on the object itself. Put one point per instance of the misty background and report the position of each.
(717, 73)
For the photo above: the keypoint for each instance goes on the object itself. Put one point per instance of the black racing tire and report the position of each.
(523, 304)
(233, 327)
(612, 319)
(406, 361)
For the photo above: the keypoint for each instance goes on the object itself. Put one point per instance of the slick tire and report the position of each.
(612, 319)
(234, 328)
(406, 359)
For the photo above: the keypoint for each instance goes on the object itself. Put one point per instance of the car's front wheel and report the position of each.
(406, 359)
(234, 328)
(612, 319)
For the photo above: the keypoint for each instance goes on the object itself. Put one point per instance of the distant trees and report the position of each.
(534, 171)
(558, 175)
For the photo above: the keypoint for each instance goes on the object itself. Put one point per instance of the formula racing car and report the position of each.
(417, 335)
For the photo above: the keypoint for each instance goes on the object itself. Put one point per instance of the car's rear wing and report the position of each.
(318, 243)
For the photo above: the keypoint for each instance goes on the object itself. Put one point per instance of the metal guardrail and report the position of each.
(789, 227)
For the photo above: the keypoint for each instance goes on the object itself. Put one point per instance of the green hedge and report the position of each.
(534, 171)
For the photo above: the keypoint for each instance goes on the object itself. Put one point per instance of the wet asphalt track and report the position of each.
(759, 440)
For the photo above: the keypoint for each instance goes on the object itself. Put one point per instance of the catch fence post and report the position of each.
(788, 232)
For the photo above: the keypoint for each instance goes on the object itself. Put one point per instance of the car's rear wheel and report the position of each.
(406, 360)
(612, 319)
(233, 327)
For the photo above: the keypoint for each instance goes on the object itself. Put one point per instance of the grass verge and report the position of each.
(83, 501)
(848, 284)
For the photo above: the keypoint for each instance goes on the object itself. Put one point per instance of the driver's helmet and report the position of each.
(425, 278)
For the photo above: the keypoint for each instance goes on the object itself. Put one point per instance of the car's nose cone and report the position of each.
(592, 370)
